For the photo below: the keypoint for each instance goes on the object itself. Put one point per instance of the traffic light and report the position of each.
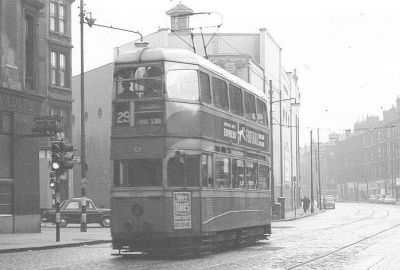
(62, 156)
(68, 156)
(56, 155)
(52, 183)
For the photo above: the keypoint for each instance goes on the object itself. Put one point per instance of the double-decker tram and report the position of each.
(191, 155)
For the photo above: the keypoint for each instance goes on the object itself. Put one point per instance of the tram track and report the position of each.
(344, 247)
(351, 222)
(342, 224)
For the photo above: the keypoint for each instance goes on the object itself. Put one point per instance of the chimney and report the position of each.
(179, 17)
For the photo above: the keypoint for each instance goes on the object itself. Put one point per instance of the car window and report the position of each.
(72, 206)
(89, 205)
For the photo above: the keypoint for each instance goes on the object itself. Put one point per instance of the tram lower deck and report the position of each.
(187, 220)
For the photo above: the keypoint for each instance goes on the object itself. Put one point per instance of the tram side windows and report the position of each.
(206, 171)
(183, 84)
(238, 180)
(236, 99)
(249, 106)
(220, 93)
(263, 177)
(205, 88)
(222, 173)
(252, 174)
(183, 171)
(262, 116)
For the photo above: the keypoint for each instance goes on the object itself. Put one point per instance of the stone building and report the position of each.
(35, 80)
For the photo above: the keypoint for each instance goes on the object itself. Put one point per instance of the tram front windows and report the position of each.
(138, 172)
(139, 82)
(183, 172)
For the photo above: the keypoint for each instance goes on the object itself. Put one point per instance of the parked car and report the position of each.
(70, 212)
(389, 200)
(373, 198)
(381, 199)
(329, 202)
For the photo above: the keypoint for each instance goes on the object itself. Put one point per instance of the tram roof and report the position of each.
(183, 56)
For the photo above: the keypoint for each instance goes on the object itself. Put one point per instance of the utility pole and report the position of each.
(280, 126)
(311, 176)
(271, 135)
(298, 180)
(291, 158)
(58, 217)
(319, 176)
(83, 144)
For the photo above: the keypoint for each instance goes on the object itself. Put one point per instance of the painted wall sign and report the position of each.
(182, 203)
(19, 104)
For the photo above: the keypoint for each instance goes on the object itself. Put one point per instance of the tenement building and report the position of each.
(35, 80)
(363, 164)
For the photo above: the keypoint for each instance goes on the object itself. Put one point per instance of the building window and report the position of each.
(58, 69)
(29, 51)
(57, 18)
(5, 145)
(5, 199)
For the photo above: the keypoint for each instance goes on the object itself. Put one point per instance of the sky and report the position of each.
(346, 53)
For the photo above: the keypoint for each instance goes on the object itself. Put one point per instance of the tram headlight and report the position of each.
(147, 226)
(137, 210)
(129, 225)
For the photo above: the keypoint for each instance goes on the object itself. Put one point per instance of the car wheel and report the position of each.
(63, 222)
(105, 222)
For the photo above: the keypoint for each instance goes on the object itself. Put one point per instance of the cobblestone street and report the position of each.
(353, 236)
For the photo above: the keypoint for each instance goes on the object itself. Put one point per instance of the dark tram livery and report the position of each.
(191, 155)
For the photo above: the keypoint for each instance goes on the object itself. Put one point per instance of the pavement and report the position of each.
(299, 213)
(71, 236)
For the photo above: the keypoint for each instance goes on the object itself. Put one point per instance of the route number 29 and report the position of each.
(123, 117)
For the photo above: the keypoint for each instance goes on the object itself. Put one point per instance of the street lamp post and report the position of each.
(271, 135)
(311, 176)
(271, 140)
(83, 144)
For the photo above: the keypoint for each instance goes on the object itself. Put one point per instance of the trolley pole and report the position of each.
(58, 218)
(311, 176)
(319, 175)
(271, 135)
(83, 145)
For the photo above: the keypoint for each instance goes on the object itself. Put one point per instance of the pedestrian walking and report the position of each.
(305, 203)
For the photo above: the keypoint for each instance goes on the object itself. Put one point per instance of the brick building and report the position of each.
(35, 79)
